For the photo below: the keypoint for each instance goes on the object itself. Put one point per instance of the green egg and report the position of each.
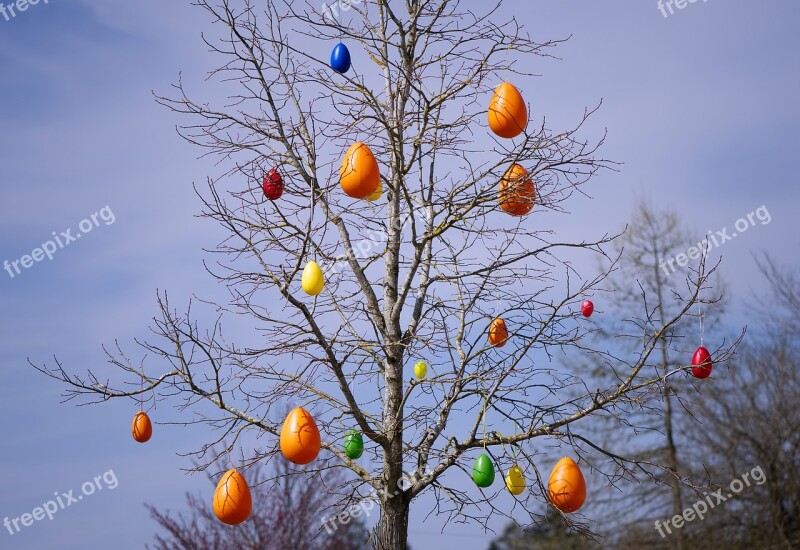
(483, 471)
(353, 444)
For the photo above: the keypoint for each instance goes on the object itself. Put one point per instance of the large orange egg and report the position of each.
(498, 333)
(567, 488)
(359, 174)
(516, 193)
(232, 499)
(300, 440)
(141, 428)
(508, 115)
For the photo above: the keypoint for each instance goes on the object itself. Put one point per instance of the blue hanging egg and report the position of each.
(340, 58)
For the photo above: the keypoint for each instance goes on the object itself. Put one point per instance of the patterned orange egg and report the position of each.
(516, 194)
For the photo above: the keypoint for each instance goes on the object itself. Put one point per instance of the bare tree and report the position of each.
(440, 261)
(285, 512)
(549, 534)
(750, 424)
(646, 283)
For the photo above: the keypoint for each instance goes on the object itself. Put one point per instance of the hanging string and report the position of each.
(514, 446)
(701, 314)
(141, 391)
(506, 66)
(485, 403)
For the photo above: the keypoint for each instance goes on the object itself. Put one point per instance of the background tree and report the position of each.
(747, 422)
(550, 534)
(446, 263)
(285, 509)
(751, 419)
(646, 290)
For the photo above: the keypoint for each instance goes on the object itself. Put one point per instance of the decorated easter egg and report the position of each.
(300, 439)
(483, 471)
(313, 281)
(566, 488)
(340, 58)
(515, 480)
(232, 499)
(273, 185)
(701, 363)
(508, 115)
(359, 175)
(517, 193)
(354, 444)
(378, 193)
(142, 429)
(498, 333)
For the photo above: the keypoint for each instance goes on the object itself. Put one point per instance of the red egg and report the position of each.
(273, 185)
(587, 308)
(701, 363)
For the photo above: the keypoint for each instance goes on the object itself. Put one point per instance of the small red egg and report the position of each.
(701, 363)
(273, 185)
(587, 308)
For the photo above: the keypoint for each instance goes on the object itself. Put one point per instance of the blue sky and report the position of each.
(700, 107)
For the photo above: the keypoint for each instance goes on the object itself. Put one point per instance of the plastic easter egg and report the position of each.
(359, 175)
(483, 471)
(508, 115)
(232, 499)
(313, 281)
(566, 488)
(587, 308)
(517, 193)
(701, 363)
(515, 480)
(498, 333)
(142, 429)
(340, 58)
(273, 185)
(354, 444)
(300, 439)
(378, 193)
(421, 369)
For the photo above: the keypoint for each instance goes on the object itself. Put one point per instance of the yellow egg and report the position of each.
(313, 280)
(377, 193)
(515, 480)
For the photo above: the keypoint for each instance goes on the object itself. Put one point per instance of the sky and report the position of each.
(701, 110)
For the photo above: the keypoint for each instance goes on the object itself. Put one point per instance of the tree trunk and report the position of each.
(391, 533)
(672, 451)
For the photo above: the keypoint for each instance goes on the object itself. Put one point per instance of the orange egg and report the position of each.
(498, 333)
(516, 193)
(359, 174)
(508, 115)
(142, 429)
(300, 440)
(232, 500)
(567, 488)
